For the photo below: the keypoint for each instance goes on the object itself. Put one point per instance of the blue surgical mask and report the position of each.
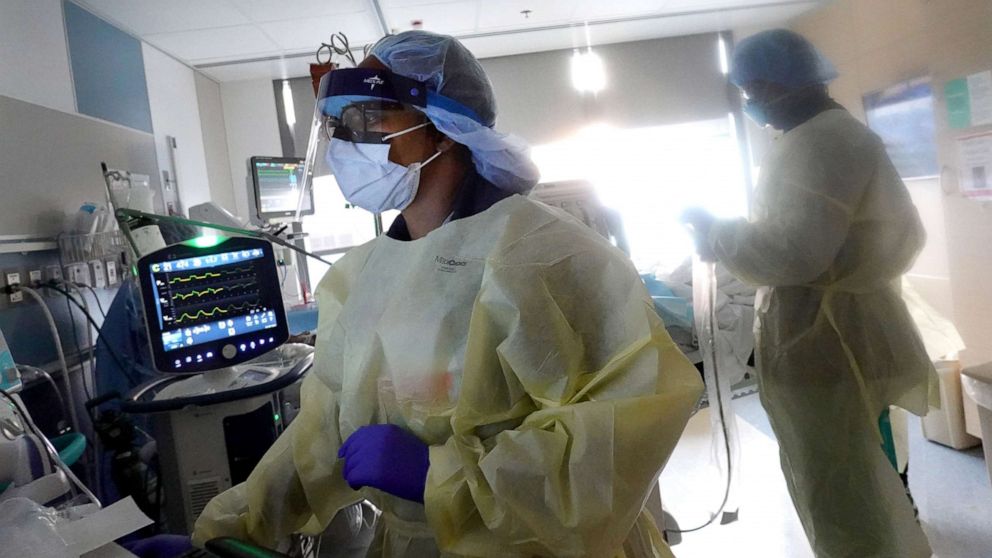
(368, 179)
(757, 112)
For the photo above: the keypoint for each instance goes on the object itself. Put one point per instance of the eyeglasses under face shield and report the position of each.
(368, 106)
(372, 122)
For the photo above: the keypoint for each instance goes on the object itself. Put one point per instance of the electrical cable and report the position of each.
(93, 450)
(73, 417)
(52, 454)
(99, 305)
(72, 324)
(118, 359)
(286, 244)
(143, 433)
(97, 452)
(719, 403)
(89, 336)
(75, 332)
(48, 377)
(89, 339)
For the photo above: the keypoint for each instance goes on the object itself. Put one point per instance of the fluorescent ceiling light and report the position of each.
(588, 72)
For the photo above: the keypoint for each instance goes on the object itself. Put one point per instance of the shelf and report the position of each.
(19, 244)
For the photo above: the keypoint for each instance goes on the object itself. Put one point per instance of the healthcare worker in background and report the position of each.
(832, 231)
(490, 373)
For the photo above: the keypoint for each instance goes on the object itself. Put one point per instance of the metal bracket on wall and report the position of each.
(22, 244)
(171, 202)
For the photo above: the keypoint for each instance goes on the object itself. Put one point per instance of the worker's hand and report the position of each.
(699, 221)
(386, 457)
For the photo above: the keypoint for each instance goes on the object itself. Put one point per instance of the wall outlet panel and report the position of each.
(112, 276)
(78, 273)
(13, 278)
(98, 274)
(53, 273)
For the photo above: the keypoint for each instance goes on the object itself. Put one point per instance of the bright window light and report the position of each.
(287, 103)
(721, 47)
(650, 175)
(588, 72)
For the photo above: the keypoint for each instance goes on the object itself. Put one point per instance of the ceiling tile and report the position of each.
(598, 9)
(154, 16)
(706, 5)
(212, 31)
(564, 38)
(207, 45)
(502, 14)
(263, 69)
(448, 17)
(409, 3)
(269, 10)
(302, 34)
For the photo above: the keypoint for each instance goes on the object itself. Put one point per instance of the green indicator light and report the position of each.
(276, 416)
(206, 241)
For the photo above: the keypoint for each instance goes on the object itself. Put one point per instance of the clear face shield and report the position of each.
(361, 106)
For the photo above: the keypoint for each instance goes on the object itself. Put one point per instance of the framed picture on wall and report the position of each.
(902, 115)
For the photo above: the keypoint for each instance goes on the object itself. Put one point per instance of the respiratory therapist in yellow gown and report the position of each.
(490, 373)
(832, 230)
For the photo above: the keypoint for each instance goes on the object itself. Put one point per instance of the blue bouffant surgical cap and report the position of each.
(780, 56)
(460, 103)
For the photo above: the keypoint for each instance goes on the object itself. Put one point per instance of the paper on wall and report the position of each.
(975, 159)
(980, 91)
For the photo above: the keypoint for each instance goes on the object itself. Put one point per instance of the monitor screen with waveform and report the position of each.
(211, 306)
(277, 184)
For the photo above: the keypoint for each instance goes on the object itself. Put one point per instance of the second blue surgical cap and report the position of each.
(461, 103)
(780, 56)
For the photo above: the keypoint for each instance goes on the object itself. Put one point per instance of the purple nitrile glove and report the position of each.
(160, 546)
(386, 457)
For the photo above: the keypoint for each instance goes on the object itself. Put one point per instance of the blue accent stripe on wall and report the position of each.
(108, 70)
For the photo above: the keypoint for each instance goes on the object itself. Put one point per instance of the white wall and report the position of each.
(175, 112)
(34, 64)
(252, 129)
(931, 274)
(877, 44)
(215, 142)
(648, 83)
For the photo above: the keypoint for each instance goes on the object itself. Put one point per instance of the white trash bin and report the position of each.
(977, 384)
(947, 425)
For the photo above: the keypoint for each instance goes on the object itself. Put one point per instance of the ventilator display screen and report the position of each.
(208, 307)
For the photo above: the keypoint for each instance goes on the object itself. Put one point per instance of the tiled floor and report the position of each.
(951, 488)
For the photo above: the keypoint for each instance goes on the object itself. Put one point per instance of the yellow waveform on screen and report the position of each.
(209, 290)
(210, 313)
(206, 275)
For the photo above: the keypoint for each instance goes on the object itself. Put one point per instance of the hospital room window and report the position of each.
(336, 226)
(650, 175)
